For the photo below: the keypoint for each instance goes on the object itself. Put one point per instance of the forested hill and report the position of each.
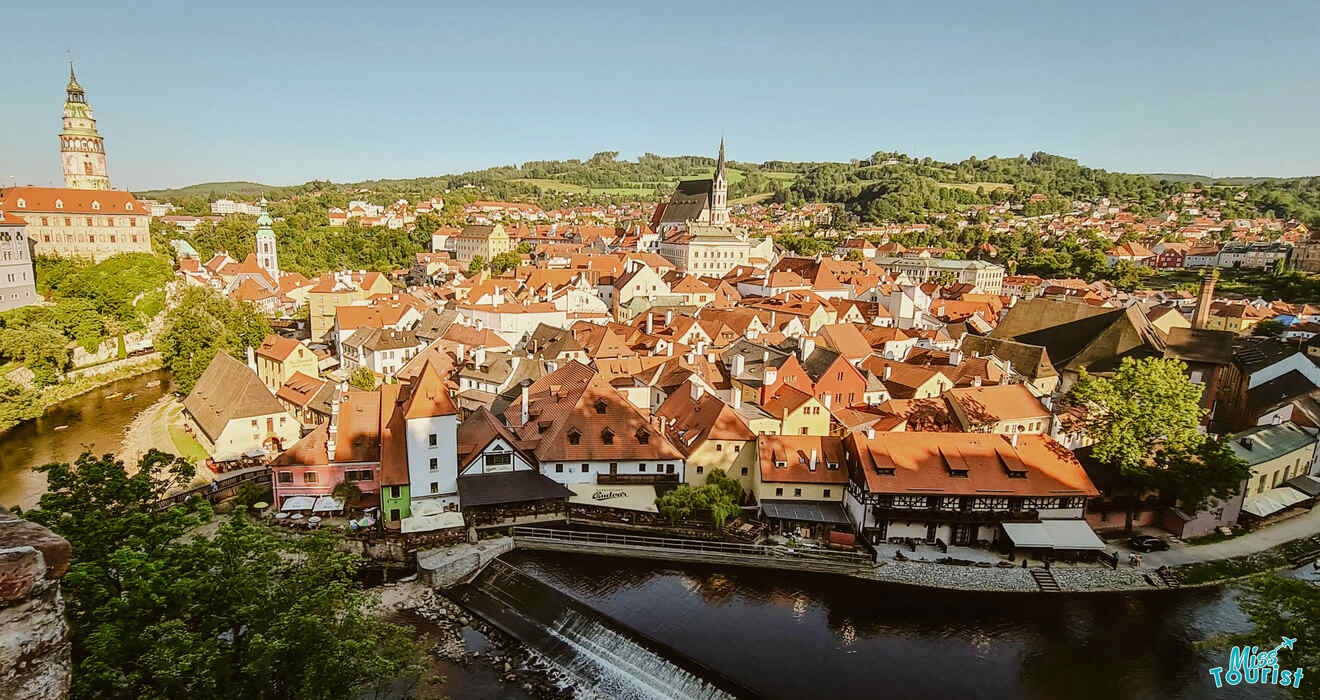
(883, 187)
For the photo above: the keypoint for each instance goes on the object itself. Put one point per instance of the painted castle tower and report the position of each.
(267, 257)
(82, 150)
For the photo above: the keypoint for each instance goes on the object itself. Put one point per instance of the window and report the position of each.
(286, 477)
(432, 440)
(737, 449)
(574, 437)
(435, 464)
(907, 501)
(500, 460)
(700, 469)
(825, 493)
(559, 469)
(586, 468)
(600, 407)
(797, 492)
(394, 492)
(435, 487)
(831, 465)
(744, 471)
(719, 447)
(643, 437)
(804, 431)
(607, 436)
(669, 469)
(779, 491)
(309, 477)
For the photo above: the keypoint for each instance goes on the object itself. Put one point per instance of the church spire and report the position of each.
(719, 190)
(719, 162)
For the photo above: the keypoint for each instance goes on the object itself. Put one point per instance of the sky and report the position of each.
(285, 92)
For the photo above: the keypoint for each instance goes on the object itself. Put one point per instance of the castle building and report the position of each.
(696, 202)
(82, 150)
(17, 281)
(85, 218)
(267, 256)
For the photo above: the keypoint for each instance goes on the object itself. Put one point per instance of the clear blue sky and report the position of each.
(282, 92)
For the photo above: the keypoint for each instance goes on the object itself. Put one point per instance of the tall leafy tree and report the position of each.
(1280, 606)
(159, 609)
(202, 324)
(1144, 420)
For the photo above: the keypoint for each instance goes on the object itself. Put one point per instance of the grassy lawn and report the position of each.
(1268, 560)
(185, 445)
(1214, 537)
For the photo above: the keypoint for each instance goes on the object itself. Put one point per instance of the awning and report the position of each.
(430, 515)
(508, 487)
(1054, 534)
(1273, 501)
(1308, 485)
(805, 511)
(298, 503)
(328, 504)
(639, 497)
(255, 452)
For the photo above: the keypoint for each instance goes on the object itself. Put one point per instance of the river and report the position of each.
(96, 424)
(791, 635)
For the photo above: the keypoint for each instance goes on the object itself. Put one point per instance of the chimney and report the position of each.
(251, 359)
(696, 390)
(1012, 439)
(807, 346)
(1048, 402)
(827, 400)
(669, 317)
(1205, 298)
(976, 381)
(738, 365)
(524, 406)
(812, 467)
(889, 371)
(333, 435)
(870, 433)
(770, 375)
(479, 356)
(955, 357)
(649, 323)
(458, 352)
(735, 398)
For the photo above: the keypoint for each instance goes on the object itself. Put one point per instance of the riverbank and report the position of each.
(34, 403)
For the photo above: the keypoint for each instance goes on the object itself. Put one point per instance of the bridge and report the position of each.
(220, 488)
(695, 551)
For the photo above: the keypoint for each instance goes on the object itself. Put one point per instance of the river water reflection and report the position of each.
(801, 636)
(96, 423)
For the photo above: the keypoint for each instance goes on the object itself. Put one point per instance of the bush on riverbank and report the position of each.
(1246, 565)
(19, 403)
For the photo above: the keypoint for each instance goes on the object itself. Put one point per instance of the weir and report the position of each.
(610, 658)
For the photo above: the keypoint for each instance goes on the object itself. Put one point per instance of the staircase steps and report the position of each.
(1170, 579)
(1045, 580)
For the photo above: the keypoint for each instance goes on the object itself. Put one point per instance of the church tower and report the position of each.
(267, 258)
(82, 150)
(719, 191)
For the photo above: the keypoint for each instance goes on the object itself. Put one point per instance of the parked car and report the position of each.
(1148, 543)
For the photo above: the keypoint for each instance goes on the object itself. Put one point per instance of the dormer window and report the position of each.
(129, 206)
(574, 437)
(780, 464)
(643, 437)
(607, 436)
(831, 465)
(96, 205)
(59, 204)
(600, 407)
(20, 203)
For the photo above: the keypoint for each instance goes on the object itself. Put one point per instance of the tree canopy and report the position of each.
(158, 609)
(202, 324)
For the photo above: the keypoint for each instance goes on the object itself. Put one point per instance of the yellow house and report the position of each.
(1275, 453)
(1236, 317)
(278, 358)
(799, 413)
(486, 241)
(796, 471)
(232, 413)
(711, 435)
(335, 289)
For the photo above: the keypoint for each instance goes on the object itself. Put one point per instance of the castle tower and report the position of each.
(82, 150)
(719, 191)
(267, 257)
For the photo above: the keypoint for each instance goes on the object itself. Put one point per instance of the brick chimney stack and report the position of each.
(1205, 298)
